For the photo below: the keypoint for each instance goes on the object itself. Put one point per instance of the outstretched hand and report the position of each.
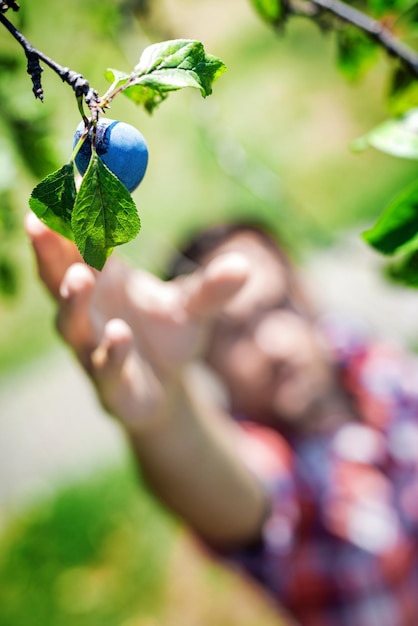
(135, 334)
(132, 332)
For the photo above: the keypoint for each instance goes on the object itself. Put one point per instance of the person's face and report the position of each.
(263, 345)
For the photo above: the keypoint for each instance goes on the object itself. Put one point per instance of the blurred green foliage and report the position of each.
(218, 157)
(272, 140)
(90, 555)
(362, 29)
(101, 552)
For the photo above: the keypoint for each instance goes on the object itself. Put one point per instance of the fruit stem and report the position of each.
(79, 99)
(82, 139)
(110, 94)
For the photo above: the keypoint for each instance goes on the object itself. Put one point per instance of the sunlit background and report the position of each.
(81, 542)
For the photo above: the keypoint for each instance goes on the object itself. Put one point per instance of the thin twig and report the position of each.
(373, 28)
(5, 5)
(77, 82)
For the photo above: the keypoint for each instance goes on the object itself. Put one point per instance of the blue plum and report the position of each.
(121, 147)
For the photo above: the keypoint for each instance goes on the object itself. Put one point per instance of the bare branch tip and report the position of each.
(5, 5)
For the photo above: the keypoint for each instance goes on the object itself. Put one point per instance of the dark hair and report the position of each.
(204, 242)
(190, 256)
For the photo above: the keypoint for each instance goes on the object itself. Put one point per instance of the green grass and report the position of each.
(93, 554)
(101, 552)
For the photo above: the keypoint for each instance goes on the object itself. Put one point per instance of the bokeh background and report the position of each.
(81, 540)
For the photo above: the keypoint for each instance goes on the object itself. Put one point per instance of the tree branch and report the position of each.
(76, 81)
(373, 28)
(5, 5)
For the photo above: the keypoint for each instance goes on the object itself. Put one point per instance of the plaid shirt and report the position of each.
(340, 546)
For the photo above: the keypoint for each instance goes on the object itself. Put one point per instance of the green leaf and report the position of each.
(151, 89)
(271, 10)
(104, 214)
(9, 279)
(403, 90)
(172, 65)
(378, 7)
(165, 67)
(396, 136)
(166, 55)
(404, 270)
(183, 54)
(144, 96)
(355, 52)
(116, 77)
(53, 200)
(397, 228)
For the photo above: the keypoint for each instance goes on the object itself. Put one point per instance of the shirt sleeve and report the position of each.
(270, 458)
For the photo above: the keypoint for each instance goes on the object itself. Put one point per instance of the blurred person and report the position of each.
(300, 467)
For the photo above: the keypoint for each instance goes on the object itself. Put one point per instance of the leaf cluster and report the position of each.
(102, 214)
(362, 28)
(166, 67)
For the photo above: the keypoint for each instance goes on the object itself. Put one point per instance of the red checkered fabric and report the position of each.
(340, 546)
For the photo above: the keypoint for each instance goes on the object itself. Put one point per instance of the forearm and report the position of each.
(191, 460)
(129, 329)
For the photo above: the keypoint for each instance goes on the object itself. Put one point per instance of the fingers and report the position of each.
(126, 387)
(54, 254)
(75, 320)
(105, 350)
(109, 357)
(207, 291)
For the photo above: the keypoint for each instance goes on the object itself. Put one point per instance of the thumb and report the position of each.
(209, 289)
(53, 253)
(125, 384)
